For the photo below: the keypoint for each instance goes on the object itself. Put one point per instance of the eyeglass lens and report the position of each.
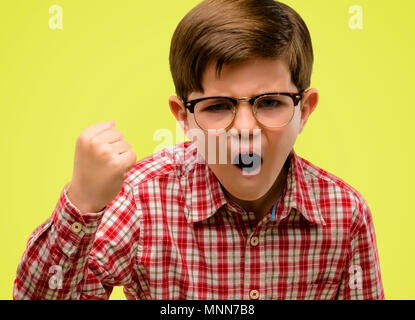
(270, 111)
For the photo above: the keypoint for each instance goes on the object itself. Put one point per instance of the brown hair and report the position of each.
(232, 31)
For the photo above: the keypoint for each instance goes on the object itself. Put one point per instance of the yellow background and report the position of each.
(110, 62)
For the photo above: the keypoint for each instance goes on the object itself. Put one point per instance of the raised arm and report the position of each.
(85, 247)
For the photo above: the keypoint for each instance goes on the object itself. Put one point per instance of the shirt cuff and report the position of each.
(88, 218)
(75, 231)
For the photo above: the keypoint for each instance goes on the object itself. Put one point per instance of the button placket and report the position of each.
(252, 255)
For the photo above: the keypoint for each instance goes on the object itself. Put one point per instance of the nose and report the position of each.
(244, 118)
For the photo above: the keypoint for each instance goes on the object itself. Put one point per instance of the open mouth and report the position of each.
(248, 162)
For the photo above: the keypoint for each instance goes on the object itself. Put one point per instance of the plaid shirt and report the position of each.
(171, 233)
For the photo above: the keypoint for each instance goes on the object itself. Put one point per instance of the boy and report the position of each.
(256, 222)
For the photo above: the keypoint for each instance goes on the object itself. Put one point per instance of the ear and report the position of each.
(179, 112)
(309, 103)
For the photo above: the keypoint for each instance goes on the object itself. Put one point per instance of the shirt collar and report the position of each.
(202, 192)
(299, 192)
(204, 196)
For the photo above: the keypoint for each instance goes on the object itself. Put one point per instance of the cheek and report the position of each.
(208, 145)
(290, 134)
(291, 131)
(192, 125)
(193, 132)
(284, 137)
(279, 145)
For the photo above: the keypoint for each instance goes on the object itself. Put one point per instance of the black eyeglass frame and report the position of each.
(295, 96)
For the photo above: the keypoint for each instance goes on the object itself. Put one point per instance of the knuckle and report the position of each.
(94, 142)
(105, 149)
(80, 140)
(132, 159)
(116, 133)
(116, 164)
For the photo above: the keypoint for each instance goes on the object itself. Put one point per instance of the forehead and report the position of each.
(246, 79)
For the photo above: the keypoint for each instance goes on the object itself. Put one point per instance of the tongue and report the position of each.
(248, 161)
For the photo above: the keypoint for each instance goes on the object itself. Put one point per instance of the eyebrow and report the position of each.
(254, 95)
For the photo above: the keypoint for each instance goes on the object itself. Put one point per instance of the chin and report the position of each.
(247, 195)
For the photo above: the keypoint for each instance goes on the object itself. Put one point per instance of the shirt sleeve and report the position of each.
(361, 279)
(74, 256)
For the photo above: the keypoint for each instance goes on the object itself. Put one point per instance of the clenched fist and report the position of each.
(102, 160)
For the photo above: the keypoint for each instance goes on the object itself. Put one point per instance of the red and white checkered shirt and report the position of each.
(171, 233)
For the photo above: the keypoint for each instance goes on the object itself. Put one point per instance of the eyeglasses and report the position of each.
(273, 110)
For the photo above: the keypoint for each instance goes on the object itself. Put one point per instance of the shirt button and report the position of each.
(76, 227)
(254, 294)
(254, 241)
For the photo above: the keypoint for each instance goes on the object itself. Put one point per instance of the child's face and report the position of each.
(249, 79)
